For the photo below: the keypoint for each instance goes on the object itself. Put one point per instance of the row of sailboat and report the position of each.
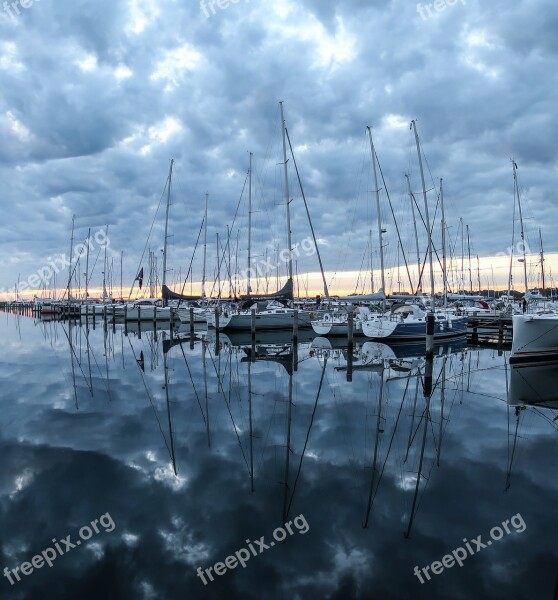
(407, 320)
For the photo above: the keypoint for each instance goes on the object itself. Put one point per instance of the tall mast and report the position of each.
(87, 266)
(218, 268)
(229, 262)
(165, 244)
(121, 278)
(478, 273)
(542, 264)
(287, 195)
(371, 262)
(444, 266)
(380, 230)
(249, 289)
(469, 253)
(462, 257)
(419, 286)
(71, 253)
(516, 190)
(426, 213)
(204, 245)
(105, 268)
(326, 291)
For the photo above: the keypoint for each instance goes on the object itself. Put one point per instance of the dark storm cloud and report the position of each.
(96, 98)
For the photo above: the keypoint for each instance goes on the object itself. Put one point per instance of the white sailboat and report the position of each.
(268, 316)
(535, 335)
(408, 322)
(151, 309)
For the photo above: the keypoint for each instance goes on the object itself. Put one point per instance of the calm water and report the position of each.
(183, 453)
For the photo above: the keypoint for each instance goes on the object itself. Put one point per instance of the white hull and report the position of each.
(445, 326)
(184, 315)
(96, 309)
(535, 337)
(334, 328)
(264, 320)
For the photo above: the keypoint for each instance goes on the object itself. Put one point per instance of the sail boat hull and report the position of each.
(535, 337)
(335, 327)
(415, 329)
(184, 315)
(276, 319)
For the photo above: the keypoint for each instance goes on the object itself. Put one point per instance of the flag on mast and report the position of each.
(140, 278)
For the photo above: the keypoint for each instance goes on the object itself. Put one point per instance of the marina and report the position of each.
(278, 300)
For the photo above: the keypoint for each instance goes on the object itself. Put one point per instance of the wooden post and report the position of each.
(295, 326)
(191, 322)
(430, 320)
(217, 348)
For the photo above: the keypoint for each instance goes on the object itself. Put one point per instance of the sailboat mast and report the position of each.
(249, 289)
(165, 244)
(542, 264)
(426, 213)
(516, 189)
(380, 230)
(71, 254)
(419, 286)
(469, 253)
(87, 266)
(105, 268)
(287, 198)
(218, 267)
(371, 262)
(204, 245)
(462, 257)
(444, 266)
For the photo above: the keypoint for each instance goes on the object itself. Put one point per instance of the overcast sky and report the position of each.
(97, 97)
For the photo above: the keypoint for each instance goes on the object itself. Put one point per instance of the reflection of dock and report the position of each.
(489, 326)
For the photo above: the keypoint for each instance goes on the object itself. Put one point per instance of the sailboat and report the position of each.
(408, 321)
(535, 335)
(337, 324)
(267, 316)
(151, 309)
